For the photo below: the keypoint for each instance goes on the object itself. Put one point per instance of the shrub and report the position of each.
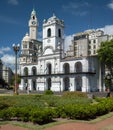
(48, 92)
(4, 105)
(60, 112)
(6, 114)
(22, 114)
(74, 94)
(79, 111)
(41, 116)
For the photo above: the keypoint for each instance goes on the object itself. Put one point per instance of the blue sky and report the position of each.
(78, 16)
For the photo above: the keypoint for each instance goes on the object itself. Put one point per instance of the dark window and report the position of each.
(89, 41)
(49, 68)
(94, 41)
(49, 83)
(78, 67)
(34, 71)
(49, 32)
(26, 71)
(59, 32)
(66, 68)
(94, 52)
(94, 46)
(89, 47)
(33, 17)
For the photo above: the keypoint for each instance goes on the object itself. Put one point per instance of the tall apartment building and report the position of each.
(7, 74)
(87, 43)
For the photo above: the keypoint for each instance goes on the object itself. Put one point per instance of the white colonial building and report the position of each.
(45, 66)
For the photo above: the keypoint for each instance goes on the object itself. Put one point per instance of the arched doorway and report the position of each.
(34, 70)
(78, 83)
(25, 71)
(34, 84)
(49, 68)
(66, 68)
(25, 84)
(49, 32)
(66, 84)
(78, 67)
(49, 83)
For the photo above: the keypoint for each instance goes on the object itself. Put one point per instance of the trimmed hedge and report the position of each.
(48, 92)
(75, 94)
(85, 112)
(42, 116)
(46, 115)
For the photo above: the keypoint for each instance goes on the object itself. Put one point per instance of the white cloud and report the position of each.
(110, 5)
(67, 41)
(8, 59)
(108, 29)
(13, 2)
(4, 50)
(76, 8)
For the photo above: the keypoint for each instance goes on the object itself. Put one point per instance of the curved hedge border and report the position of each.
(42, 116)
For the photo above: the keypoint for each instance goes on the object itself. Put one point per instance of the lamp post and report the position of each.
(16, 49)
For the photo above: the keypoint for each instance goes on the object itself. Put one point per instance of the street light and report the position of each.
(16, 49)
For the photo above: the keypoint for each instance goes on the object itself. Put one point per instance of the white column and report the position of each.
(61, 84)
(72, 84)
(22, 85)
(85, 84)
(101, 86)
(30, 84)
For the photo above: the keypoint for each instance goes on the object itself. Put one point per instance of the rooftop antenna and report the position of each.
(90, 18)
(33, 6)
(54, 13)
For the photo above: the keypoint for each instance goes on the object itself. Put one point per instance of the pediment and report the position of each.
(48, 50)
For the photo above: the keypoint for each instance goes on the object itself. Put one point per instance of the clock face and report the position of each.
(33, 22)
(48, 40)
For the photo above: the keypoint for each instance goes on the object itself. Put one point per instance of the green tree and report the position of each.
(13, 79)
(105, 54)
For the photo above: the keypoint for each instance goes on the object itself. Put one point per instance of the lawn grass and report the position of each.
(42, 101)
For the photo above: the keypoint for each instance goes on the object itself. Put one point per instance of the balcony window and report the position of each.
(34, 71)
(66, 68)
(49, 68)
(26, 71)
(78, 67)
(49, 32)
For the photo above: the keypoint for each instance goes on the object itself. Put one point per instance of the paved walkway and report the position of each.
(83, 126)
(68, 126)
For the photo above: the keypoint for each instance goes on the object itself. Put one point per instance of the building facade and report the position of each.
(45, 66)
(5, 75)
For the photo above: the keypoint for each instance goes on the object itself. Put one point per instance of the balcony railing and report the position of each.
(40, 74)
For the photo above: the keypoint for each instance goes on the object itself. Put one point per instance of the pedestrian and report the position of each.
(108, 93)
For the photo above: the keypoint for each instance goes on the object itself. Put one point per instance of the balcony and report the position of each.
(59, 73)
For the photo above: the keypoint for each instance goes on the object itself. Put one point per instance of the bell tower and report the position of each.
(53, 33)
(33, 25)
